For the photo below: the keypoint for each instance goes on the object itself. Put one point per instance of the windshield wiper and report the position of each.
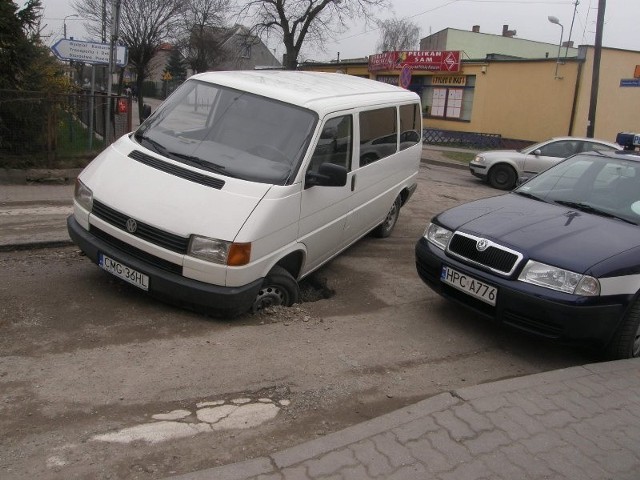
(190, 159)
(155, 146)
(583, 207)
(198, 162)
(529, 195)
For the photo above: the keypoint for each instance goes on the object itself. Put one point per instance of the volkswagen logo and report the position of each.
(131, 225)
(482, 244)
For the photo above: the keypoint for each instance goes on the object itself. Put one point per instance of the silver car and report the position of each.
(502, 168)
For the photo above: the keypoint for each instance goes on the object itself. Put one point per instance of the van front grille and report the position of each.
(136, 252)
(154, 235)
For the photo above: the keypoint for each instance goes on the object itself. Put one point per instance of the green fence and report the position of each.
(41, 130)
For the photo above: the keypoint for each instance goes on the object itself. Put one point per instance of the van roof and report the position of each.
(319, 91)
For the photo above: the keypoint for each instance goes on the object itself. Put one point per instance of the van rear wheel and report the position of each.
(278, 288)
(385, 228)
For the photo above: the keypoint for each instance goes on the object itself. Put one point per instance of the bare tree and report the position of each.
(398, 34)
(144, 26)
(201, 33)
(298, 21)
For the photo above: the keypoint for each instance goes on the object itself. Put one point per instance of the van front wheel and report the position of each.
(385, 228)
(278, 288)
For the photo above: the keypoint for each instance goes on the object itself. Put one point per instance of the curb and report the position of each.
(16, 247)
(271, 464)
(14, 176)
(459, 166)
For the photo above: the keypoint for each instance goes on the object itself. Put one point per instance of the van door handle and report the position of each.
(353, 183)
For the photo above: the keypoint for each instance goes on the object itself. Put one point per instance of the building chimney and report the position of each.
(475, 29)
(506, 32)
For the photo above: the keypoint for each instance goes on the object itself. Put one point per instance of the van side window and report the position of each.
(335, 144)
(410, 125)
(378, 134)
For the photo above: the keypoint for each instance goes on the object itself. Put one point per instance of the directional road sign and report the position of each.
(88, 52)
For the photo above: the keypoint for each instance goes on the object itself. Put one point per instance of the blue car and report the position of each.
(558, 257)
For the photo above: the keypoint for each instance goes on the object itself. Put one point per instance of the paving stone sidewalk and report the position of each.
(576, 423)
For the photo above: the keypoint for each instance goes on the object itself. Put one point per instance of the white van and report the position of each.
(242, 183)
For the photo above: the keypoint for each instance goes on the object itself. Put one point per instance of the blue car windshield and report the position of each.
(230, 132)
(599, 184)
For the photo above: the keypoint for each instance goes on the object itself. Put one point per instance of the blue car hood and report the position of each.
(545, 232)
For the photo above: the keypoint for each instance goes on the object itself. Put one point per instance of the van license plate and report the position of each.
(470, 285)
(120, 270)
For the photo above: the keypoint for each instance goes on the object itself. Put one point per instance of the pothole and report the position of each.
(314, 288)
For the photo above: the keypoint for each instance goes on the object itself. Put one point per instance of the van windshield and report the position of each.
(230, 132)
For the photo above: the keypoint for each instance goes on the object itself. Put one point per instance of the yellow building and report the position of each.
(525, 100)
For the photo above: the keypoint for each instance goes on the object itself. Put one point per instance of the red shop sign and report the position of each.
(431, 60)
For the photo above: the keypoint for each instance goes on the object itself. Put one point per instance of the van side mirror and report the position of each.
(537, 152)
(328, 175)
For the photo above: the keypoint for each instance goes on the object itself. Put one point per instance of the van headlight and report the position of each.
(83, 195)
(219, 251)
(438, 235)
(479, 159)
(559, 279)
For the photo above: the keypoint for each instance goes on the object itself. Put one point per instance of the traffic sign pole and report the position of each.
(405, 76)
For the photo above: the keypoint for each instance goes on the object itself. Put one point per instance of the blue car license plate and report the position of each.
(469, 285)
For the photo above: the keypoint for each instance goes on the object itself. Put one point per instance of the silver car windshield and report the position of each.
(598, 184)
(230, 132)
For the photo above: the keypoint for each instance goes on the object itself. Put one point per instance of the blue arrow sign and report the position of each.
(88, 52)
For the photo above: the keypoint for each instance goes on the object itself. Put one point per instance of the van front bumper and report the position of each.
(166, 285)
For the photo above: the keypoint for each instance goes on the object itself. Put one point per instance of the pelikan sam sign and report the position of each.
(88, 52)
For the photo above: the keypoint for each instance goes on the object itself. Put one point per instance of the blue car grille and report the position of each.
(494, 257)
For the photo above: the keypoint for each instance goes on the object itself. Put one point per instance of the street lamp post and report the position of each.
(64, 23)
(595, 76)
(555, 20)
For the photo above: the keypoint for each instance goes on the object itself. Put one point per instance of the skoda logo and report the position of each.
(131, 225)
(482, 245)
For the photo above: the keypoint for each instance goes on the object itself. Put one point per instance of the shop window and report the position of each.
(378, 134)
(438, 102)
(448, 102)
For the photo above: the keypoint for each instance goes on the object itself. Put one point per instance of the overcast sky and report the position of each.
(527, 17)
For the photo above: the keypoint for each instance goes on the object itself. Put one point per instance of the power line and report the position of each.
(505, 2)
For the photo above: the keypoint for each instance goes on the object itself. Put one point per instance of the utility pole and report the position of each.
(573, 19)
(115, 32)
(595, 78)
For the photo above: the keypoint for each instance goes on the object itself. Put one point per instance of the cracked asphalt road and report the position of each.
(84, 355)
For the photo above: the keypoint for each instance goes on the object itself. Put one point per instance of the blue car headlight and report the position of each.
(438, 235)
(555, 278)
